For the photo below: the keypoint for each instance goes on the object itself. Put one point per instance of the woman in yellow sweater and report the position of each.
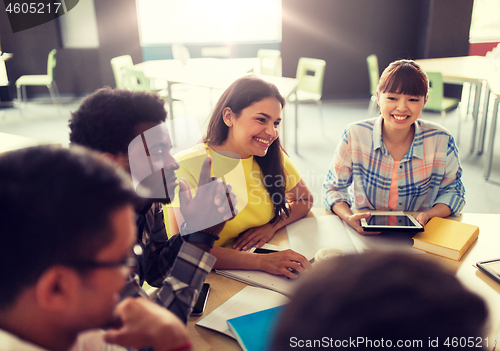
(243, 141)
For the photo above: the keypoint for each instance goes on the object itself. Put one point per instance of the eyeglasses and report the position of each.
(128, 263)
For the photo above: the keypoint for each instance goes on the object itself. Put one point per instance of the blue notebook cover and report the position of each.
(254, 331)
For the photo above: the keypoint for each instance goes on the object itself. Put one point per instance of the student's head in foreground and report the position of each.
(67, 227)
(129, 127)
(245, 121)
(375, 296)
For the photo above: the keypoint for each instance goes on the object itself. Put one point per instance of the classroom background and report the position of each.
(340, 32)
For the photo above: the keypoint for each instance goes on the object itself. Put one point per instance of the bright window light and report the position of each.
(485, 26)
(209, 22)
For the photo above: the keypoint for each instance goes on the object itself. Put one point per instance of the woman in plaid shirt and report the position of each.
(396, 161)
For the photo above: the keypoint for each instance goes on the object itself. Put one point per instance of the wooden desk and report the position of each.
(9, 142)
(211, 73)
(483, 249)
(467, 69)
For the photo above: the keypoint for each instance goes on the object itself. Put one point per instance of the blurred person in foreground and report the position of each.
(377, 300)
(68, 236)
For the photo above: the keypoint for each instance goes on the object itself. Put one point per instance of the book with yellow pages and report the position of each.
(446, 238)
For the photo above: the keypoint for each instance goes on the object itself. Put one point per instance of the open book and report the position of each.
(306, 236)
(278, 283)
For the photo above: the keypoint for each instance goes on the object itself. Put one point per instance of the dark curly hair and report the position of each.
(106, 120)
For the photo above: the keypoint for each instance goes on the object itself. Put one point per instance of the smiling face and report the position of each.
(254, 130)
(401, 94)
(400, 110)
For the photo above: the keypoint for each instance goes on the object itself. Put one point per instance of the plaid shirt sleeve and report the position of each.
(180, 289)
(158, 252)
(177, 268)
(451, 190)
(339, 176)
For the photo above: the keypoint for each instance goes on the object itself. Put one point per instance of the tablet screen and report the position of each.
(493, 266)
(390, 220)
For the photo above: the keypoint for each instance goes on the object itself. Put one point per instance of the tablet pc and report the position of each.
(387, 222)
(492, 268)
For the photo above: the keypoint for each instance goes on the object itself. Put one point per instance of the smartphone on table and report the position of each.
(199, 307)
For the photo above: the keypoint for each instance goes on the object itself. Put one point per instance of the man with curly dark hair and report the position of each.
(129, 128)
(109, 119)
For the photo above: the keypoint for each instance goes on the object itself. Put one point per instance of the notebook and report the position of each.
(254, 331)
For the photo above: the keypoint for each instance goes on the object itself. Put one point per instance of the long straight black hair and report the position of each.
(242, 93)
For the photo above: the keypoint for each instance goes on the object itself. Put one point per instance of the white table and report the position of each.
(486, 247)
(211, 73)
(467, 69)
(10, 142)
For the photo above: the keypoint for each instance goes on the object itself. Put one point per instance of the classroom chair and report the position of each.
(269, 62)
(310, 74)
(374, 75)
(181, 53)
(118, 64)
(437, 101)
(40, 80)
(137, 81)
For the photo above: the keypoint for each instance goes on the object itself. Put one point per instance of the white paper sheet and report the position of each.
(249, 300)
(308, 235)
(278, 283)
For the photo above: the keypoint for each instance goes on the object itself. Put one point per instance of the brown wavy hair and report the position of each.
(242, 93)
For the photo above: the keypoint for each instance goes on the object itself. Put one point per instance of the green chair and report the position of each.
(118, 64)
(137, 81)
(374, 75)
(437, 101)
(269, 62)
(310, 74)
(40, 80)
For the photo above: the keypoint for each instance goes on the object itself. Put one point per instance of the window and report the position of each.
(79, 27)
(209, 22)
(485, 24)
